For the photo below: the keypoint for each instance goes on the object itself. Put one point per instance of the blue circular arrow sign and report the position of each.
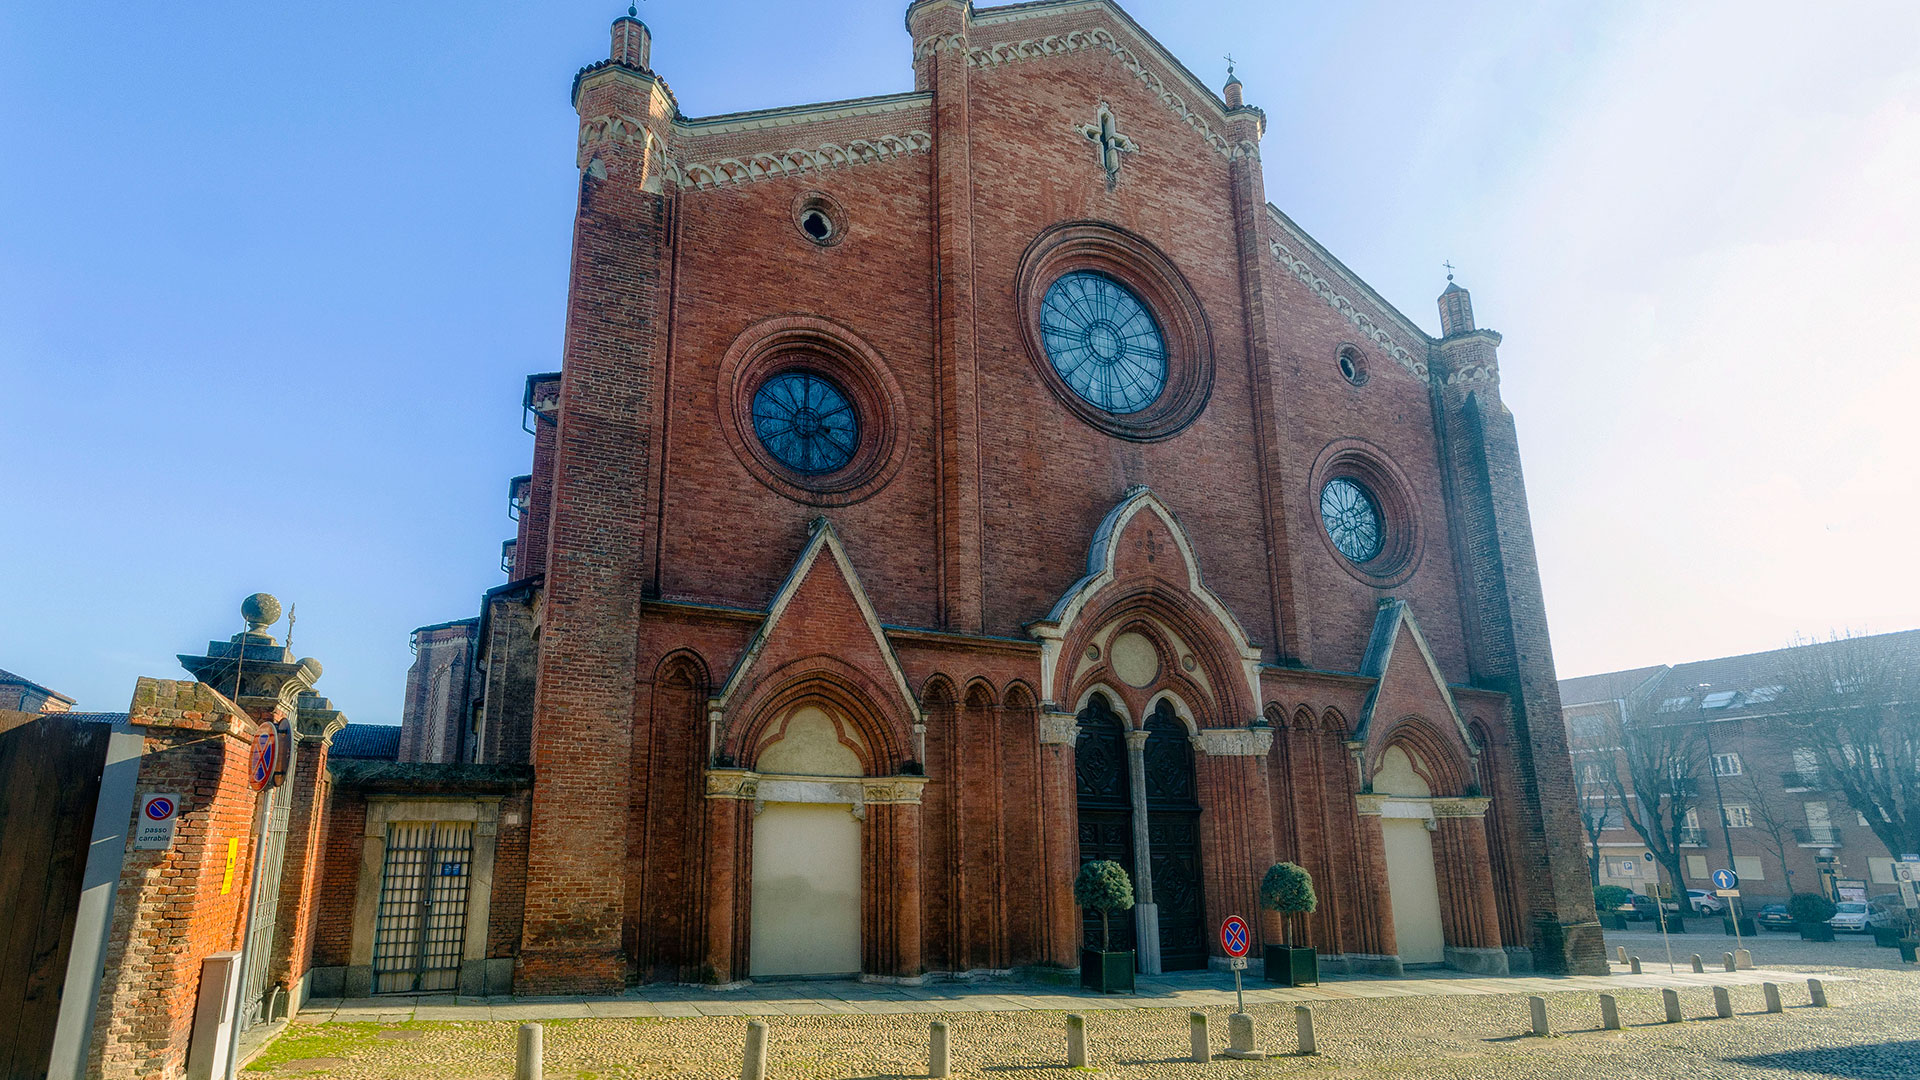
(1726, 879)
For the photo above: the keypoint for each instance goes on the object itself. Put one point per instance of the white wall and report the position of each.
(806, 890)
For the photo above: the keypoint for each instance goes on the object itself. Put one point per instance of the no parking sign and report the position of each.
(154, 829)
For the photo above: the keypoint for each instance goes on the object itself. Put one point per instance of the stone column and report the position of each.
(891, 945)
(1146, 914)
(1060, 837)
(315, 724)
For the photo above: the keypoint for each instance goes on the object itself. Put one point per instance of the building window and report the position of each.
(1352, 519)
(1726, 764)
(1719, 699)
(1696, 867)
(805, 422)
(1738, 815)
(1353, 366)
(1598, 772)
(1586, 726)
(1103, 342)
(1749, 868)
(1880, 870)
(1675, 704)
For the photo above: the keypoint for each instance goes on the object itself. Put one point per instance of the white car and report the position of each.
(1851, 915)
(1704, 902)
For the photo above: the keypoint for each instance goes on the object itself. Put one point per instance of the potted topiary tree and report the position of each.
(1811, 911)
(1288, 889)
(1103, 886)
(1607, 900)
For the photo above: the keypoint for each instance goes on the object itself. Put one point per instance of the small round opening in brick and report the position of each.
(817, 225)
(1351, 367)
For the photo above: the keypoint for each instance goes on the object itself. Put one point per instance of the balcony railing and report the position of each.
(1817, 836)
(1684, 789)
(1693, 838)
(1800, 781)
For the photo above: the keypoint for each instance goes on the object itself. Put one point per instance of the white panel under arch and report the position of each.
(806, 891)
(1415, 890)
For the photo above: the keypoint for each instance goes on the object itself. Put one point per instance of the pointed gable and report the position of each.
(820, 613)
(1407, 680)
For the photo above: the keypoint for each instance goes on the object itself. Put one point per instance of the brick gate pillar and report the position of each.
(1060, 839)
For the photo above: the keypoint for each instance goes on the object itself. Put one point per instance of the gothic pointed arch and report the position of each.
(1141, 567)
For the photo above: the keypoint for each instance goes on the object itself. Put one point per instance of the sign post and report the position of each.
(1660, 909)
(1727, 884)
(1235, 939)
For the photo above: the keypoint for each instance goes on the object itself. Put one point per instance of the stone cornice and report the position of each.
(1059, 728)
(796, 115)
(1383, 324)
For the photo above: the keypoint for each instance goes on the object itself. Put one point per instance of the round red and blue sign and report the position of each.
(1234, 936)
(267, 766)
(159, 809)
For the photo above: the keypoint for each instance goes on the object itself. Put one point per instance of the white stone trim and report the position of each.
(795, 115)
(1117, 703)
(1234, 742)
(759, 788)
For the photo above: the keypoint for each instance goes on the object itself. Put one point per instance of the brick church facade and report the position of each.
(946, 487)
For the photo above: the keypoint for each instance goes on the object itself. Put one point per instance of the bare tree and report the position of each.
(1771, 818)
(1590, 780)
(1661, 755)
(1851, 699)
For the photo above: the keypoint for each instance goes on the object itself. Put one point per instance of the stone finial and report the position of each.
(632, 41)
(1232, 93)
(261, 610)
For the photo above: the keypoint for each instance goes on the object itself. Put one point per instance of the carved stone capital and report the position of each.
(1137, 739)
(904, 790)
(732, 784)
(1461, 807)
(1234, 742)
(1059, 728)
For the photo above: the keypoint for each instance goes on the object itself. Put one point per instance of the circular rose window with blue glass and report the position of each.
(806, 422)
(1352, 518)
(1103, 342)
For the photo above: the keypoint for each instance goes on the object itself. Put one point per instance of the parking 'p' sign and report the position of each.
(153, 831)
(1234, 937)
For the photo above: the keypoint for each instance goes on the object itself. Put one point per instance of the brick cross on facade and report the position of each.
(1105, 134)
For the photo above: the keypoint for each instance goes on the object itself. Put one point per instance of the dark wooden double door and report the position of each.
(1173, 827)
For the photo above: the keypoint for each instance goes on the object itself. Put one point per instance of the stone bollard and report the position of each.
(1537, 1006)
(1622, 950)
(1722, 1003)
(1303, 1020)
(1699, 966)
(1817, 990)
(1771, 991)
(1609, 1013)
(938, 1062)
(1743, 959)
(753, 1063)
(1240, 1039)
(1076, 1041)
(528, 1056)
(1727, 962)
(1197, 1036)
(1634, 965)
(1671, 999)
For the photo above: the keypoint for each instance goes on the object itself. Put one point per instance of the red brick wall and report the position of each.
(342, 850)
(170, 912)
(658, 525)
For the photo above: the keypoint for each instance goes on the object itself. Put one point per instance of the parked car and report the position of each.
(1887, 910)
(1643, 907)
(1704, 902)
(1850, 915)
(1774, 917)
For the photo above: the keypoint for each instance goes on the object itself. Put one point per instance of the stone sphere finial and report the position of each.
(261, 610)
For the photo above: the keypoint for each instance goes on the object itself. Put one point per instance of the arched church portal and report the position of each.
(1406, 832)
(806, 898)
(1137, 792)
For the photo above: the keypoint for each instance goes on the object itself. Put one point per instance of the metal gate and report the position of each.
(421, 930)
(255, 994)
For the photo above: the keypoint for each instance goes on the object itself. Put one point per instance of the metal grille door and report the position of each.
(266, 912)
(422, 926)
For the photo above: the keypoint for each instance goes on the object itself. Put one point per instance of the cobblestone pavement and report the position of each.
(1376, 1028)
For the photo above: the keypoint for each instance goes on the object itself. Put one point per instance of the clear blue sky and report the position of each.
(271, 276)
